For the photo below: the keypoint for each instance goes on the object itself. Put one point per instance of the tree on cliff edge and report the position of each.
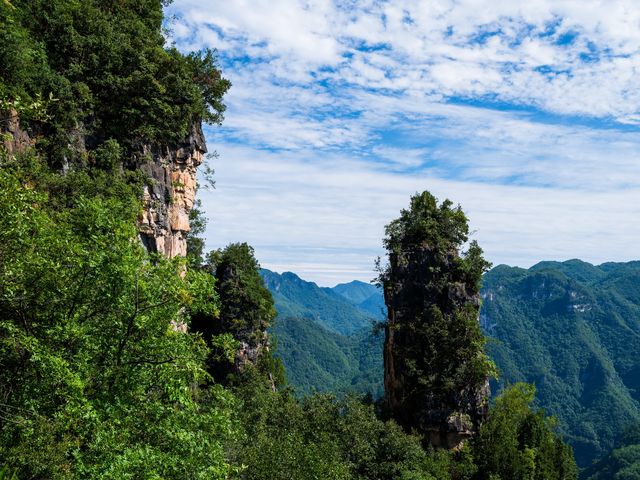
(436, 370)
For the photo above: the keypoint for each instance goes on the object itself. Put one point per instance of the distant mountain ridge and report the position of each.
(365, 296)
(334, 309)
(324, 337)
(571, 328)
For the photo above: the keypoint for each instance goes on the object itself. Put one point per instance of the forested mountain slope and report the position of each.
(323, 337)
(295, 297)
(317, 359)
(573, 329)
(623, 463)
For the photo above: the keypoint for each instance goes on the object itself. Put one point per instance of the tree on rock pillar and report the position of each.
(435, 368)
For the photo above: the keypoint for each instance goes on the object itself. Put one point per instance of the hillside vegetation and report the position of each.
(573, 329)
(117, 362)
(295, 297)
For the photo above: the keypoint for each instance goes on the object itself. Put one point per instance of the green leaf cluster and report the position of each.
(95, 379)
(322, 437)
(102, 69)
(519, 442)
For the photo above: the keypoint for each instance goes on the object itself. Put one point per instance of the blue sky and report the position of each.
(525, 113)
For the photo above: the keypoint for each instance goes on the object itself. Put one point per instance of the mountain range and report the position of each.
(571, 328)
(324, 335)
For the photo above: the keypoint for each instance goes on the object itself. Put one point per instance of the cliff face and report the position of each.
(420, 350)
(12, 136)
(167, 200)
(169, 196)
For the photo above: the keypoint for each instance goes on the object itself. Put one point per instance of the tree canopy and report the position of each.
(101, 69)
(95, 379)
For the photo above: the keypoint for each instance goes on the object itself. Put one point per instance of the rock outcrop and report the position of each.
(422, 390)
(12, 137)
(169, 196)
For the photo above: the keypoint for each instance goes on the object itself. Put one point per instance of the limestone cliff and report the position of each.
(170, 194)
(168, 197)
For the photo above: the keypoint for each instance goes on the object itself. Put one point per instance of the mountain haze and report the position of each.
(365, 296)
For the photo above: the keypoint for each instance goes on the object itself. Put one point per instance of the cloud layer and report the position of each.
(524, 112)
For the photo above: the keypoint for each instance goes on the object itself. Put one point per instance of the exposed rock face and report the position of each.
(14, 138)
(169, 197)
(170, 194)
(446, 414)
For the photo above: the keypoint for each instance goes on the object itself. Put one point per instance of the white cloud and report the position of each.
(460, 48)
(341, 110)
(325, 220)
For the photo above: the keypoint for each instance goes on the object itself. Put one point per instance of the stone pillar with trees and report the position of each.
(435, 368)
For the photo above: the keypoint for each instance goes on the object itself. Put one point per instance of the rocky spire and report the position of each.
(435, 369)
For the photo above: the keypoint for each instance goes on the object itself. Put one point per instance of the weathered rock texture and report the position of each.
(170, 195)
(14, 138)
(446, 413)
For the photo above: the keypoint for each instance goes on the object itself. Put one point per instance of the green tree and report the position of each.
(106, 65)
(322, 437)
(237, 333)
(517, 442)
(95, 381)
(246, 304)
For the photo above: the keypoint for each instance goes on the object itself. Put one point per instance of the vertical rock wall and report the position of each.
(169, 196)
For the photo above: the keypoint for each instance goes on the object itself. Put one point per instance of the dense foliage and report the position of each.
(95, 381)
(519, 442)
(101, 69)
(247, 308)
(237, 333)
(435, 364)
(320, 437)
(623, 463)
(572, 329)
(317, 359)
